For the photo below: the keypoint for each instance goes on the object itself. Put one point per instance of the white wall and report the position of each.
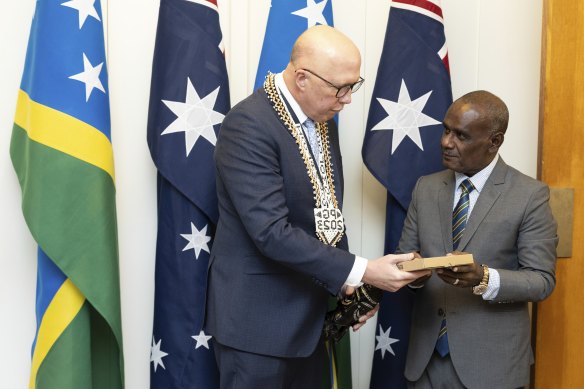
(493, 44)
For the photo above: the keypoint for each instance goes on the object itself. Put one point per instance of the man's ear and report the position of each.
(497, 140)
(300, 78)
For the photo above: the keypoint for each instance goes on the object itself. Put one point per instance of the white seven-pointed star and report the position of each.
(195, 116)
(156, 354)
(90, 77)
(202, 340)
(85, 8)
(197, 240)
(405, 117)
(384, 342)
(313, 12)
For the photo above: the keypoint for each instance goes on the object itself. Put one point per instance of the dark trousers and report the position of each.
(242, 370)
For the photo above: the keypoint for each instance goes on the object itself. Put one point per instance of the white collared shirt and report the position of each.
(478, 180)
(281, 85)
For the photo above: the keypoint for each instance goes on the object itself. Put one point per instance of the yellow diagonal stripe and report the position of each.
(65, 133)
(61, 311)
(332, 365)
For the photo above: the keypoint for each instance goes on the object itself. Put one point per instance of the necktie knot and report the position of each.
(466, 186)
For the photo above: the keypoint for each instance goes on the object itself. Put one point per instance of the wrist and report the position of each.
(481, 287)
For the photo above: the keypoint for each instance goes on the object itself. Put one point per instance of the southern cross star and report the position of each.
(202, 340)
(384, 342)
(156, 354)
(197, 240)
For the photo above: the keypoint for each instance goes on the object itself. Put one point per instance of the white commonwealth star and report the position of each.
(85, 8)
(195, 117)
(156, 354)
(405, 117)
(90, 77)
(384, 342)
(313, 12)
(202, 340)
(197, 240)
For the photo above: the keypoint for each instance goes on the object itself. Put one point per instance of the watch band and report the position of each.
(482, 286)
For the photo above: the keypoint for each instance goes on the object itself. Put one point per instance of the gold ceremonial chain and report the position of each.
(322, 128)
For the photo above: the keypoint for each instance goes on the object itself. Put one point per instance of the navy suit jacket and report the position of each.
(269, 276)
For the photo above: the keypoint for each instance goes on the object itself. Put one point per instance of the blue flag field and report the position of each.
(402, 142)
(189, 97)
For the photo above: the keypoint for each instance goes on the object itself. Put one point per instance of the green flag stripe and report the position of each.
(75, 360)
(343, 363)
(338, 372)
(59, 314)
(69, 206)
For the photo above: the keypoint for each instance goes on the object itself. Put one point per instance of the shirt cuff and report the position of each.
(357, 272)
(493, 286)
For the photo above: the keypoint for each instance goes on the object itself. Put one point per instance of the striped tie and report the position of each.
(459, 218)
(442, 342)
(460, 214)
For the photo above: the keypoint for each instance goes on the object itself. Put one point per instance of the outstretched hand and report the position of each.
(384, 274)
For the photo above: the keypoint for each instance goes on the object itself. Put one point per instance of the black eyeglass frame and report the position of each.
(354, 87)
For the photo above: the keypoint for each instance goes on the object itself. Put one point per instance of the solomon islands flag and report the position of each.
(189, 97)
(402, 142)
(62, 153)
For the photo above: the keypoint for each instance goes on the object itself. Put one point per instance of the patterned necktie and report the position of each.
(460, 214)
(442, 342)
(459, 218)
(312, 139)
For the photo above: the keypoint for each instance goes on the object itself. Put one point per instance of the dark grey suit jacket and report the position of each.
(510, 229)
(269, 276)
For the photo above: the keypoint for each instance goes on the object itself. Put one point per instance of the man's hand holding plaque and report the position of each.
(357, 307)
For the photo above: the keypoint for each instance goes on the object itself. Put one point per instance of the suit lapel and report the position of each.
(487, 198)
(445, 201)
(337, 167)
(282, 124)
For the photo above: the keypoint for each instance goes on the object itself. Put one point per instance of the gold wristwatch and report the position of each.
(482, 286)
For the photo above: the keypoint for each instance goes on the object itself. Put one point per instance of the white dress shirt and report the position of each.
(479, 180)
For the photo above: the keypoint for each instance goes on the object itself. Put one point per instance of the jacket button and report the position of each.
(440, 312)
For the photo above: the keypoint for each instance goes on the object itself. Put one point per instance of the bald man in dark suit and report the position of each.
(280, 248)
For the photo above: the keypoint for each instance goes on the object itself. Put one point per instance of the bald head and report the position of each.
(324, 46)
(492, 111)
(323, 60)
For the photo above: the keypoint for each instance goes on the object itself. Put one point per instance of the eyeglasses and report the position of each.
(343, 90)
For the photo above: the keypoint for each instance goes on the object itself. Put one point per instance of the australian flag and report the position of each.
(286, 21)
(189, 97)
(402, 142)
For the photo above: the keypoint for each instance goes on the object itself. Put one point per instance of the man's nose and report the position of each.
(346, 98)
(446, 141)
